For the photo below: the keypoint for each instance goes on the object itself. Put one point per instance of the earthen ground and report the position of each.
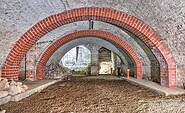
(91, 95)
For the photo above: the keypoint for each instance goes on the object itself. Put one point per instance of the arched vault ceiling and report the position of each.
(164, 16)
(56, 57)
(88, 33)
(84, 25)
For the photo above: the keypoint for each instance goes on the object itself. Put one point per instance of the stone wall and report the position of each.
(104, 55)
(166, 17)
(31, 60)
(105, 61)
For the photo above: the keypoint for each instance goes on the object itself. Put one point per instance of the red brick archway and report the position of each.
(118, 18)
(40, 71)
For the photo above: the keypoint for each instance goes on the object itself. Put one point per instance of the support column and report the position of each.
(94, 58)
(79, 55)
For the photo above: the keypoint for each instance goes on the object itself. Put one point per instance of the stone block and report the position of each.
(4, 84)
(13, 90)
(3, 94)
(5, 100)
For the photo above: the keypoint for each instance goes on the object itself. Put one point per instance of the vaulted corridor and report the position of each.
(134, 40)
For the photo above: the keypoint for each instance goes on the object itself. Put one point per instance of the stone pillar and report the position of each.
(79, 55)
(94, 58)
(113, 59)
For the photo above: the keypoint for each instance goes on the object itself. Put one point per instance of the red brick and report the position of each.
(137, 27)
(106, 35)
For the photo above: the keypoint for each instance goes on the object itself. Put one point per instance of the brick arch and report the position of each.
(40, 68)
(118, 18)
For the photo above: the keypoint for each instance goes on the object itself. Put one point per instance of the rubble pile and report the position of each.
(11, 87)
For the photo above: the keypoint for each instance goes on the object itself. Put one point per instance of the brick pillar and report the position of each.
(10, 72)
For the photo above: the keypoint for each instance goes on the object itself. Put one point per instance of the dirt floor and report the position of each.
(100, 95)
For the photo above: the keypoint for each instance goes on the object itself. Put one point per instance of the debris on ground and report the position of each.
(93, 95)
(11, 87)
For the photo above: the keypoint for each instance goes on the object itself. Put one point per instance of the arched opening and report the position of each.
(77, 59)
(105, 61)
(102, 34)
(110, 63)
(130, 23)
(93, 44)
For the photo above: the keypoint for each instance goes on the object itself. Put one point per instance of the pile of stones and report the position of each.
(11, 87)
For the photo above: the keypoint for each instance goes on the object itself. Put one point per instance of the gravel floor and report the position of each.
(84, 95)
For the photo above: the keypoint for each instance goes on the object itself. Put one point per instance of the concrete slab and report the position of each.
(156, 87)
(5, 100)
(34, 86)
